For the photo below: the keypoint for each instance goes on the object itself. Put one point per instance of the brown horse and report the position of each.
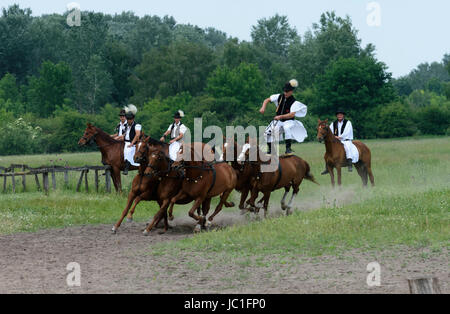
(112, 152)
(335, 155)
(291, 171)
(244, 171)
(203, 181)
(144, 188)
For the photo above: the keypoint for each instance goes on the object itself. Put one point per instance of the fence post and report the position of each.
(36, 178)
(86, 180)
(13, 180)
(96, 181)
(24, 184)
(53, 179)
(108, 180)
(424, 286)
(4, 183)
(80, 180)
(45, 182)
(66, 178)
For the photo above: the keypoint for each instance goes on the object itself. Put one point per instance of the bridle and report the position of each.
(164, 173)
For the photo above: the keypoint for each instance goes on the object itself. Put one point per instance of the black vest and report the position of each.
(132, 132)
(336, 128)
(124, 129)
(171, 130)
(284, 106)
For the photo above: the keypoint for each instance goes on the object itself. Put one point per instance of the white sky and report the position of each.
(411, 31)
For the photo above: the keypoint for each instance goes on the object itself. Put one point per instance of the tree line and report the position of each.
(54, 78)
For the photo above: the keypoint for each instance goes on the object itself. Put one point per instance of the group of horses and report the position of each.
(199, 179)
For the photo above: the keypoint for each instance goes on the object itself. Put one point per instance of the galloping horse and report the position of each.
(243, 171)
(290, 172)
(203, 181)
(112, 152)
(144, 188)
(335, 155)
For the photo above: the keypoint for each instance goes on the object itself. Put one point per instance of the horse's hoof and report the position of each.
(171, 218)
(232, 204)
(198, 229)
(114, 230)
(129, 220)
(208, 225)
(162, 232)
(146, 233)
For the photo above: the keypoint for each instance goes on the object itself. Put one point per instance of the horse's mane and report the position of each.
(106, 136)
(155, 142)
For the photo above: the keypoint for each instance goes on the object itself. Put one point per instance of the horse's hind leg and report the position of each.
(369, 171)
(223, 200)
(360, 167)
(294, 194)
(283, 200)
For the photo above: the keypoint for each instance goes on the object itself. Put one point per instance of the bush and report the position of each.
(19, 137)
(394, 120)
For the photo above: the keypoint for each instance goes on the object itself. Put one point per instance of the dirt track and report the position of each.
(36, 263)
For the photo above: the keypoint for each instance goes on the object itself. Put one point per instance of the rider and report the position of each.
(177, 130)
(121, 128)
(288, 108)
(132, 135)
(343, 131)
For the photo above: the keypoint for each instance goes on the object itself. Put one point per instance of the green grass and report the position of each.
(409, 206)
(420, 219)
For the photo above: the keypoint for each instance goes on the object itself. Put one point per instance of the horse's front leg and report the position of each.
(131, 198)
(192, 214)
(157, 218)
(117, 179)
(331, 171)
(266, 202)
(244, 195)
(339, 174)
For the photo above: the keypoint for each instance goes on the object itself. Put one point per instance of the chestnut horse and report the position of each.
(144, 188)
(335, 156)
(244, 171)
(291, 171)
(112, 152)
(203, 181)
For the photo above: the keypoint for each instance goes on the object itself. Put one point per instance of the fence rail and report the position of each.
(45, 171)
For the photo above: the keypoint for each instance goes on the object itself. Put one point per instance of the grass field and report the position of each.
(409, 205)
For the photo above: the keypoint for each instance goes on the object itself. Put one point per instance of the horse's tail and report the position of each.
(308, 175)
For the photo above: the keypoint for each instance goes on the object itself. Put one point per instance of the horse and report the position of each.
(111, 149)
(203, 181)
(291, 171)
(244, 171)
(335, 156)
(144, 188)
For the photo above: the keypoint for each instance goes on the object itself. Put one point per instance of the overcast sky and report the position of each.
(411, 31)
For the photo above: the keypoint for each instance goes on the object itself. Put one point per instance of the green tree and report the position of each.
(97, 85)
(359, 86)
(395, 120)
(332, 38)
(274, 34)
(49, 90)
(167, 71)
(16, 42)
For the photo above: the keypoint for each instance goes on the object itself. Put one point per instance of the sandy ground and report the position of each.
(124, 263)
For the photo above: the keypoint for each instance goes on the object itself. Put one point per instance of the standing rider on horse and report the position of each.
(288, 108)
(177, 130)
(343, 131)
(132, 135)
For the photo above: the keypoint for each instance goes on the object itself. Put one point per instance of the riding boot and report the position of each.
(350, 165)
(288, 147)
(269, 148)
(127, 167)
(326, 170)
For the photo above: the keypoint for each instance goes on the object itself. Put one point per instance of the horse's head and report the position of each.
(322, 130)
(155, 162)
(89, 135)
(141, 150)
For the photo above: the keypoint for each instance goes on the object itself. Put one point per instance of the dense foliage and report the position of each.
(55, 78)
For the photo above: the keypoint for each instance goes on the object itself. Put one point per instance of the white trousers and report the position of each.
(128, 154)
(351, 151)
(292, 130)
(174, 148)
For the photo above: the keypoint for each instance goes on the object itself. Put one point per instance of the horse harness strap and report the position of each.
(280, 174)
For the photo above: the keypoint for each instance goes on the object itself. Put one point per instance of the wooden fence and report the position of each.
(24, 171)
